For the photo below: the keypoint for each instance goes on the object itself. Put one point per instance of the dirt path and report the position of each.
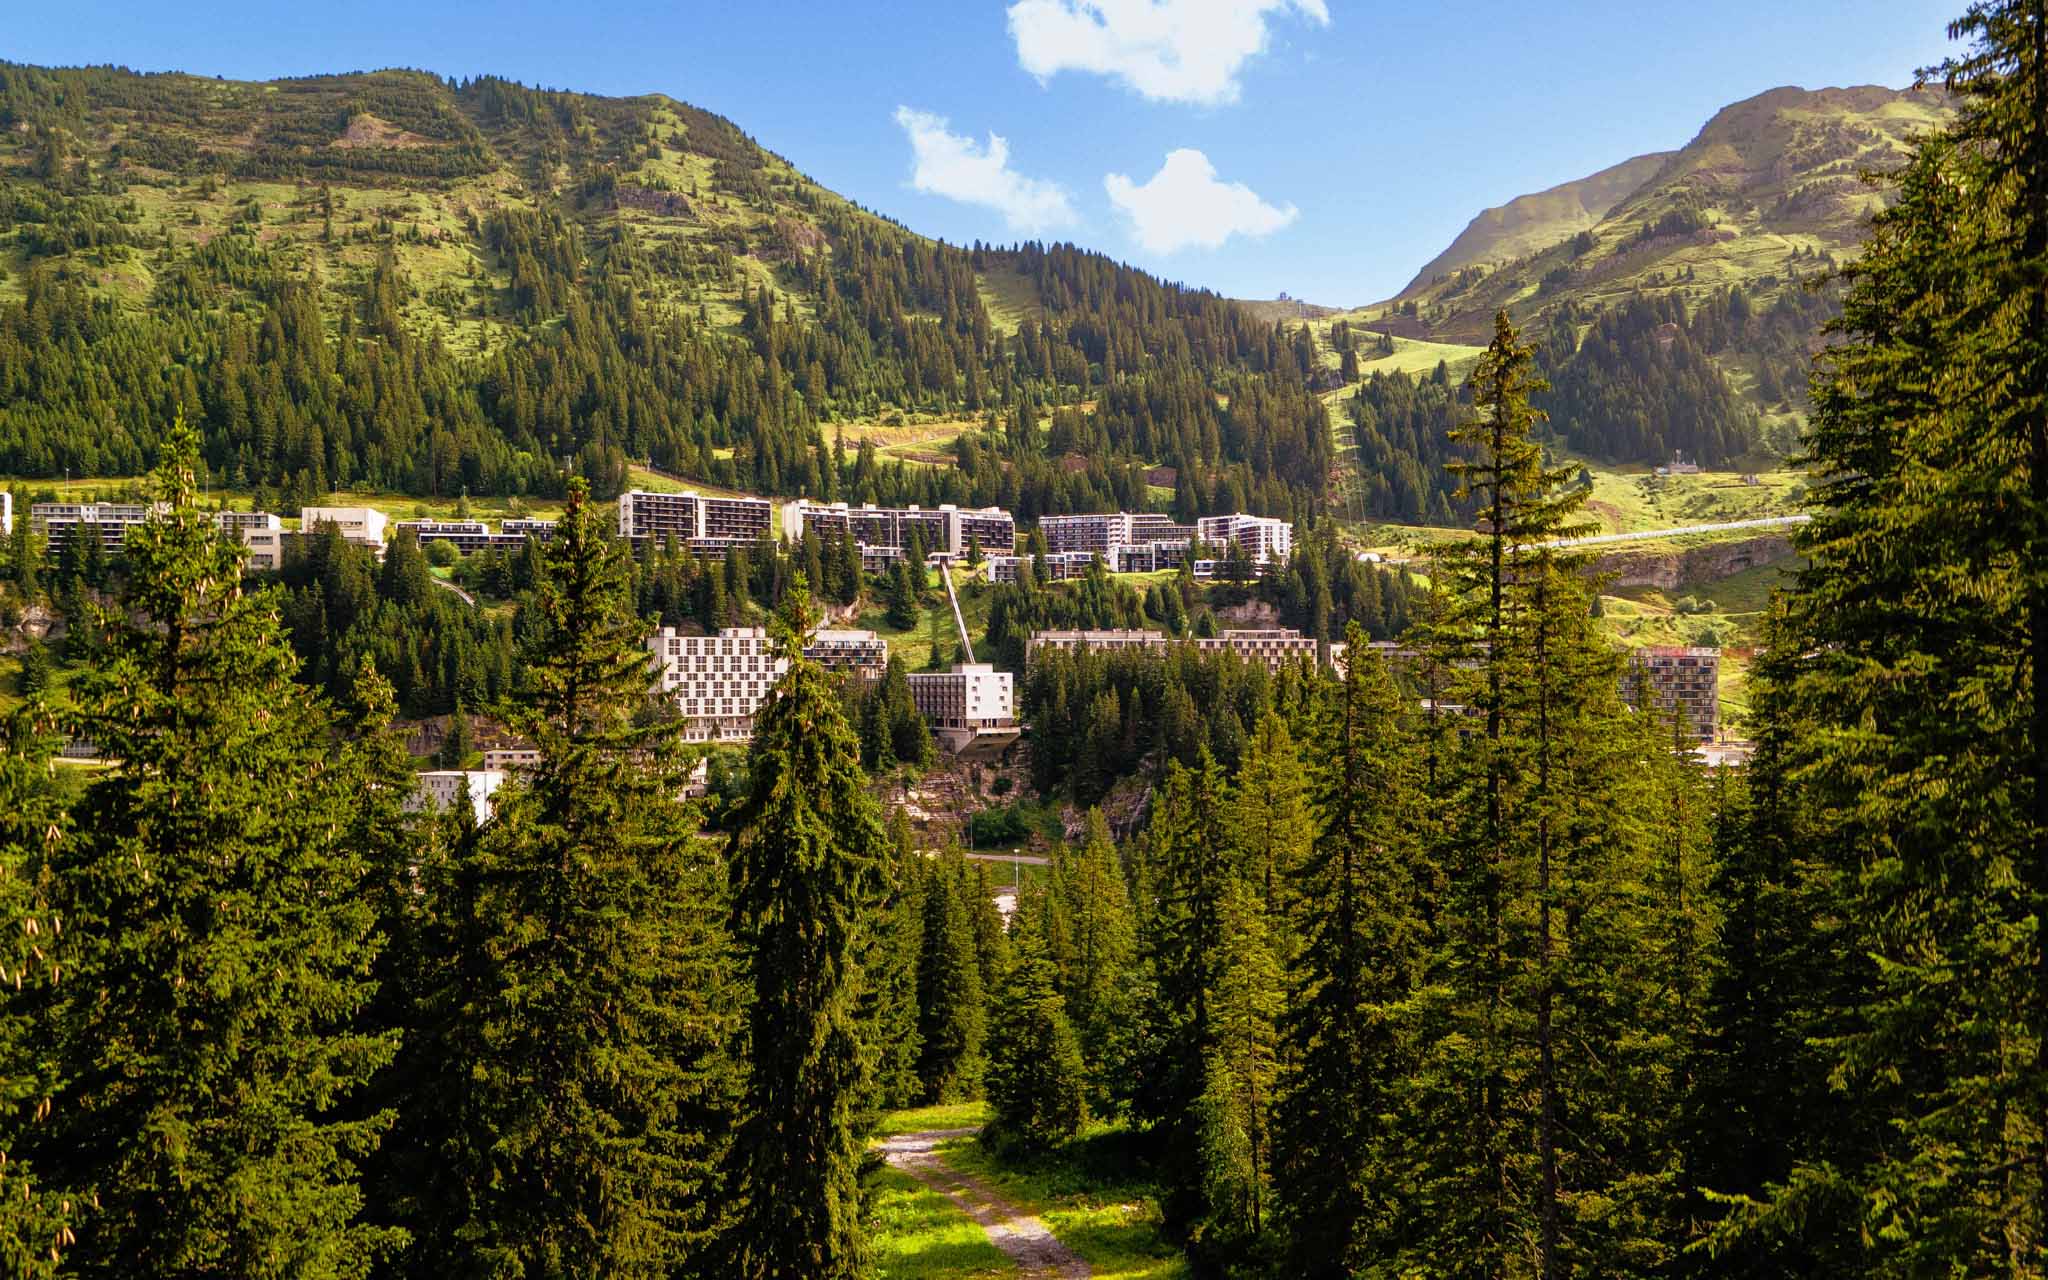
(1028, 1242)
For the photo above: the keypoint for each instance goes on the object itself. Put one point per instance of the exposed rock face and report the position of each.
(1669, 570)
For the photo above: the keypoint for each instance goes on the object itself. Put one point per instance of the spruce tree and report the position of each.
(1350, 1026)
(951, 1021)
(1922, 608)
(224, 944)
(36, 1221)
(806, 866)
(1102, 941)
(1236, 1106)
(601, 1025)
(1036, 1080)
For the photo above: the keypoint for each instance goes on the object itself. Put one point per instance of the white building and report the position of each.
(1264, 539)
(718, 682)
(360, 526)
(59, 522)
(438, 790)
(863, 653)
(945, 530)
(260, 532)
(6, 513)
(1270, 647)
(973, 695)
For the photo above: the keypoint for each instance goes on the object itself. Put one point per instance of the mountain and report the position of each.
(1770, 187)
(391, 280)
(1529, 223)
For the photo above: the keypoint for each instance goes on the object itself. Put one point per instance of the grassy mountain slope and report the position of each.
(1528, 224)
(1768, 184)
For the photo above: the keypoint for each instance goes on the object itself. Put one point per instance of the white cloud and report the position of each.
(1184, 206)
(1169, 50)
(959, 168)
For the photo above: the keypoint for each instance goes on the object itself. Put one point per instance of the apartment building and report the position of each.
(1106, 641)
(944, 530)
(6, 514)
(360, 526)
(1686, 681)
(862, 654)
(709, 525)
(1271, 647)
(57, 523)
(260, 532)
(510, 759)
(472, 536)
(438, 790)
(1059, 566)
(973, 695)
(1264, 540)
(718, 682)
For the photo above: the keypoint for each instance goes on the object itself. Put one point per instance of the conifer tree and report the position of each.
(36, 1221)
(1102, 937)
(951, 1022)
(893, 969)
(602, 1021)
(1926, 747)
(224, 947)
(1236, 1107)
(806, 871)
(1035, 1077)
(1351, 1021)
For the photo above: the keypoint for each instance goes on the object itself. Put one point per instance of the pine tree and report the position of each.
(1095, 906)
(603, 1019)
(456, 747)
(34, 677)
(893, 966)
(951, 1023)
(1035, 1076)
(1355, 989)
(36, 1221)
(1926, 747)
(806, 870)
(1271, 825)
(1190, 868)
(224, 944)
(1236, 1107)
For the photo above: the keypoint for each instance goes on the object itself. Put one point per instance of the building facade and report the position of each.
(1681, 681)
(360, 526)
(708, 525)
(438, 790)
(1263, 539)
(6, 514)
(718, 682)
(1270, 647)
(260, 533)
(57, 523)
(859, 653)
(973, 695)
(944, 530)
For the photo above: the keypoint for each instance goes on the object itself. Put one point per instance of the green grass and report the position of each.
(918, 1234)
(1628, 499)
(1091, 1196)
(945, 1115)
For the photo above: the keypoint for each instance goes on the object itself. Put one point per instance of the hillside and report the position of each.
(394, 281)
(1768, 189)
(1528, 224)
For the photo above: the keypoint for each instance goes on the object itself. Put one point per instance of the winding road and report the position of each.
(1027, 1241)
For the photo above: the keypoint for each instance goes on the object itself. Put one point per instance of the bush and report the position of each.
(443, 555)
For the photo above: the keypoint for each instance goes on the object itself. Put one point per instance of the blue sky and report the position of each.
(1326, 148)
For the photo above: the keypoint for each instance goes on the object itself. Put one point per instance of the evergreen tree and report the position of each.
(604, 1017)
(1035, 1075)
(1924, 750)
(36, 1222)
(33, 679)
(950, 993)
(1356, 991)
(806, 870)
(1236, 1107)
(205, 1037)
(456, 747)
(1095, 907)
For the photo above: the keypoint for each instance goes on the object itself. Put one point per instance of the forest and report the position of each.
(1457, 965)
